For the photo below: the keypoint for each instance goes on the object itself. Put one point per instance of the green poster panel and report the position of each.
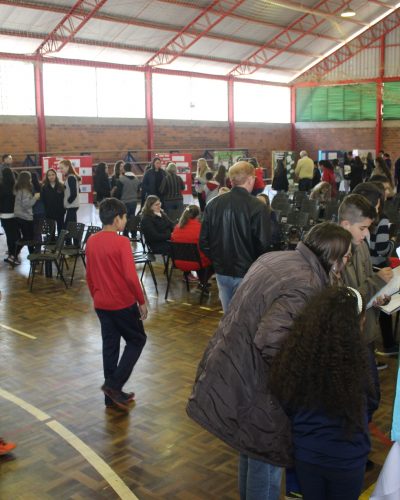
(335, 103)
(319, 110)
(303, 104)
(391, 101)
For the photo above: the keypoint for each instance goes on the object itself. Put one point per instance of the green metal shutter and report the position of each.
(391, 101)
(303, 104)
(335, 103)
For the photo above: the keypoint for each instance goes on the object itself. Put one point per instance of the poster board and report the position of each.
(289, 159)
(331, 155)
(228, 158)
(84, 168)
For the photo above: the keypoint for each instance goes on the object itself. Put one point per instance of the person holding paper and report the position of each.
(356, 214)
(381, 246)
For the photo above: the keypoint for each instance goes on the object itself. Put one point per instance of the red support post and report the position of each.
(39, 102)
(231, 114)
(379, 97)
(293, 118)
(149, 113)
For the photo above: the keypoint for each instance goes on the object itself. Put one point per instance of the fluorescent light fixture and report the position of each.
(348, 12)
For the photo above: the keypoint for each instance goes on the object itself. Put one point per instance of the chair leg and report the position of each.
(83, 259)
(152, 275)
(73, 270)
(60, 273)
(33, 264)
(169, 277)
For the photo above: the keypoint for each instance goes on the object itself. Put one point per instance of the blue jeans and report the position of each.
(227, 287)
(258, 480)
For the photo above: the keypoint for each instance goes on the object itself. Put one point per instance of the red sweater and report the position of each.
(328, 175)
(189, 234)
(110, 272)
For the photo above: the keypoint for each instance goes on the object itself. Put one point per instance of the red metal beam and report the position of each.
(364, 40)
(231, 113)
(39, 102)
(69, 26)
(256, 20)
(149, 113)
(143, 24)
(293, 118)
(203, 23)
(283, 40)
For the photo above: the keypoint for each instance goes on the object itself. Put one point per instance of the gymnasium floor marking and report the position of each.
(14, 330)
(105, 471)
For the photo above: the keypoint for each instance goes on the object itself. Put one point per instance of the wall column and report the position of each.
(149, 112)
(39, 103)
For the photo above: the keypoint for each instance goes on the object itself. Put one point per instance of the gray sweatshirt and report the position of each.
(127, 188)
(24, 201)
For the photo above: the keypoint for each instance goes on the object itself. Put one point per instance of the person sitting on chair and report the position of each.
(156, 226)
(188, 231)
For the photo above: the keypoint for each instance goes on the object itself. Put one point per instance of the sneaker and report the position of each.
(191, 278)
(388, 351)
(129, 396)
(381, 366)
(6, 447)
(116, 397)
(293, 494)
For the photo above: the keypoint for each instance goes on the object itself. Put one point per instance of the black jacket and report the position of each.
(7, 199)
(101, 187)
(235, 232)
(53, 201)
(280, 182)
(156, 230)
(151, 183)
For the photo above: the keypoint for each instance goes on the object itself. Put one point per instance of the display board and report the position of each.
(228, 158)
(289, 159)
(84, 168)
(331, 155)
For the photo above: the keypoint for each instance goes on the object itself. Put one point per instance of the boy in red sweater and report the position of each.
(118, 300)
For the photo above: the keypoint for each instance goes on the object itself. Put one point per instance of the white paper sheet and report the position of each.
(388, 484)
(390, 288)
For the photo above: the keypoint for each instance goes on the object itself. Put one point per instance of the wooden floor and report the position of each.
(155, 451)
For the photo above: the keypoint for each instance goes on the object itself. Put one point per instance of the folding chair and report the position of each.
(43, 258)
(187, 252)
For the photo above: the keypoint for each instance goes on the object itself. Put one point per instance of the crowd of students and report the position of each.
(24, 202)
(289, 378)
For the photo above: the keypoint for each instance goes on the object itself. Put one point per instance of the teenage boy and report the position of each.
(356, 214)
(118, 300)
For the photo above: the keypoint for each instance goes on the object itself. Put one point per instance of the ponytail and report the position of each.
(190, 212)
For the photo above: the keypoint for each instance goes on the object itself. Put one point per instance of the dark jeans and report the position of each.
(70, 216)
(173, 209)
(373, 400)
(202, 202)
(11, 229)
(125, 323)
(324, 483)
(305, 184)
(130, 211)
(385, 322)
(25, 230)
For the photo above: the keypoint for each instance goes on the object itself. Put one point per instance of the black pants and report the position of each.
(324, 483)
(25, 230)
(305, 184)
(125, 323)
(374, 399)
(385, 322)
(11, 229)
(70, 216)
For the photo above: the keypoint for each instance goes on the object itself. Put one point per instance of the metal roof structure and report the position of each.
(271, 41)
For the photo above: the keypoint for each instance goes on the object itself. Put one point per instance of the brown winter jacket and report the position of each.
(231, 397)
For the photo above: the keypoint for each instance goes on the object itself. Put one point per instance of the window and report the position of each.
(186, 98)
(336, 103)
(120, 94)
(81, 91)
(69, 90)
(261, 103)
(17, 88)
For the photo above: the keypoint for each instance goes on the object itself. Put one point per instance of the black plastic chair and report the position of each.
(133, 227)
(188, 252)
(146, 259)
(46, 232)
(298, 219)
(78, 252)
(299, 197)
(37, 258)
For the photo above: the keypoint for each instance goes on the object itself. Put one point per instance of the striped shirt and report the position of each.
(381, 246)
(171, 187)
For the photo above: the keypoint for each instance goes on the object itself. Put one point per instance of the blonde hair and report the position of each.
(223, 190)
(190, 212)
(240, 172)
(171, 168)
(71, 170)
(202, 167)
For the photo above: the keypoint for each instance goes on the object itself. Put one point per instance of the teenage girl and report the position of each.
(24, 201)
(53, 198)
(71, 193)
(321, 376)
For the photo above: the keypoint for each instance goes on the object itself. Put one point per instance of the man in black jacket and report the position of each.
(235, 231)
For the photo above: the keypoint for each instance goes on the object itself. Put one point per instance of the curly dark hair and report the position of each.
(324, 364)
